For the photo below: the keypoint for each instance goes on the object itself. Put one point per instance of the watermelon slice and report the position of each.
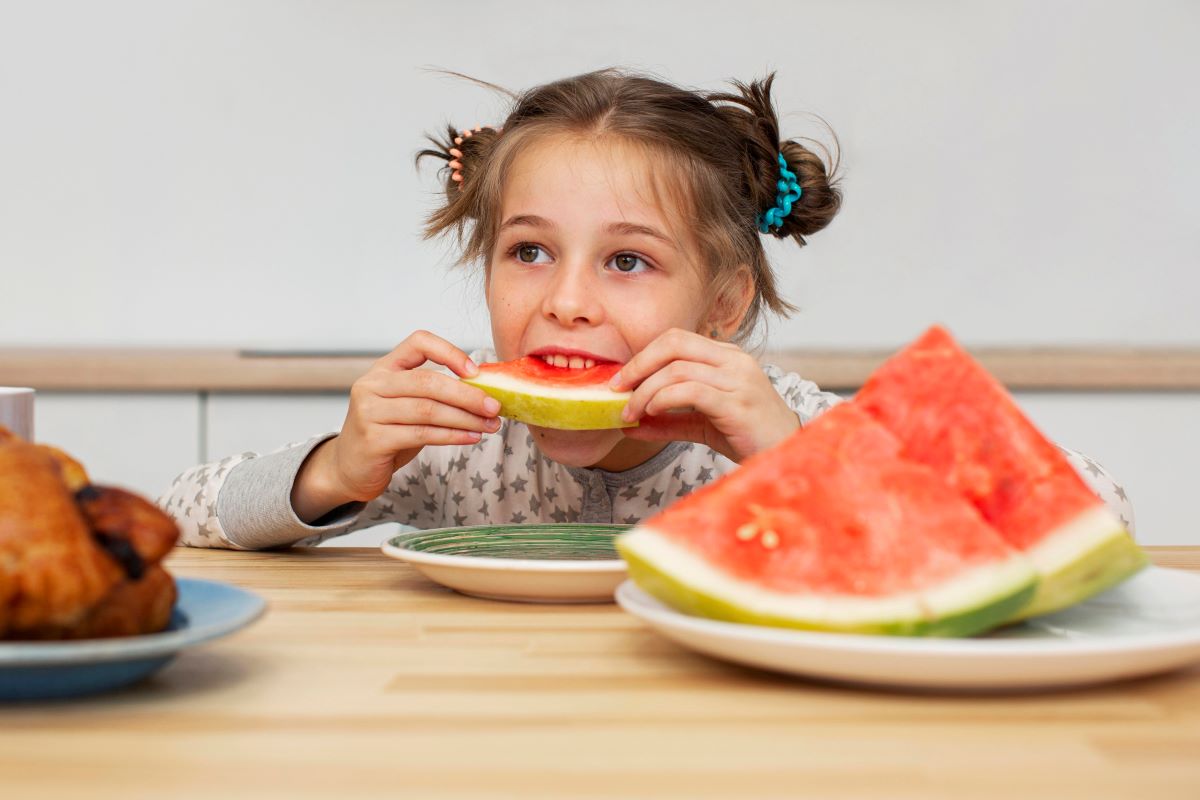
(537, 393)
(954, 417)
(832, 530)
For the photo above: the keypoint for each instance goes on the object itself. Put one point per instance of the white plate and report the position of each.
(568, 563)
(1149, 624)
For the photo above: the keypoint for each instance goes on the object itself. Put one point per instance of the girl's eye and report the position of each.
(528, 253)
(628, 262)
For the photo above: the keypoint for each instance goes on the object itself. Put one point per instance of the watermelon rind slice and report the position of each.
(954, 416)
(571, 408)
(969, 603)
(1085, 556)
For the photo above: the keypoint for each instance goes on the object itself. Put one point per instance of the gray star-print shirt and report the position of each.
(244, 501)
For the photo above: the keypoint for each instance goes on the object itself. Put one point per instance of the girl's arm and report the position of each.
(243, 502)
(377, 469)
(208, 501)
(396, 410)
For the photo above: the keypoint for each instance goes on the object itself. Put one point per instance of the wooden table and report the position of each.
(365, 680)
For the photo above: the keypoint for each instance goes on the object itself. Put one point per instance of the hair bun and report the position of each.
(458, 148)
(750, 110)
(819, 199)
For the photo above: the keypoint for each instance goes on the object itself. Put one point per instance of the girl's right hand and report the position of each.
(395, 410)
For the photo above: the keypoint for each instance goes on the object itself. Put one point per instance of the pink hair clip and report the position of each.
(456, 164)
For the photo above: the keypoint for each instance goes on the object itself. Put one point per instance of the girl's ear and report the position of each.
(731, 304)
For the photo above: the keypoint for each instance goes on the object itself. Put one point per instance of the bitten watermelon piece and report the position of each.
(954, 417)
(537, 393)
(832, 530)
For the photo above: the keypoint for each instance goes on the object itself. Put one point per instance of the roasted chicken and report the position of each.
(77, 560)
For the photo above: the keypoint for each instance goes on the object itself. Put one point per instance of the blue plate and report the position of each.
(205, 610)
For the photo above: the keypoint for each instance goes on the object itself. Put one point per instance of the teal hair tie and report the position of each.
(789, 193)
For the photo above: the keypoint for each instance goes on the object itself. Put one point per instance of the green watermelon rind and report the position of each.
(985, 610)
(1081, 558)
(565, 409)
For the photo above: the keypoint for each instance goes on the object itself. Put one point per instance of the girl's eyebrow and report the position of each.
(633, 228)
(531, 220)
(618, 228)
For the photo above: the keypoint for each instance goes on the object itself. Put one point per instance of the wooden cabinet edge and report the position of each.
(184, 370)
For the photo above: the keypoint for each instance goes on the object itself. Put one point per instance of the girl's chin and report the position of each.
(575, 448)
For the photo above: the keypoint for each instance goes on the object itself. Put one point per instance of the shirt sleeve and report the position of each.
(1105, 486)
(802, 396)
(244, 502)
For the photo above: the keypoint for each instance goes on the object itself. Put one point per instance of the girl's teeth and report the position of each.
(571, 362)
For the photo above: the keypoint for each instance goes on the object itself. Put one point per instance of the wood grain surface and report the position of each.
(191, 369)
(365, 680)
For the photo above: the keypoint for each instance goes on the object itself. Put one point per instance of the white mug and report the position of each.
(16, 410)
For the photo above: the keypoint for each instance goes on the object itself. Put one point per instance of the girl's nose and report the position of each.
(573, 296)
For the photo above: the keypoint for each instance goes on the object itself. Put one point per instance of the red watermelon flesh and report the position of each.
(833, 530)
(536, 370)
(953, 416)
(536, 393)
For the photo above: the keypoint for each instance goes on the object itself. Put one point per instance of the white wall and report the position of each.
(240, 173)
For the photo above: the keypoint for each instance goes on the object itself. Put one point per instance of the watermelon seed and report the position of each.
(747, 531)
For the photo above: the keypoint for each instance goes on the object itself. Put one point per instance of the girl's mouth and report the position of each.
(569, 359)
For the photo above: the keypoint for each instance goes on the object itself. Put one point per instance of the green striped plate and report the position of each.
(572, 542)
(569, 563)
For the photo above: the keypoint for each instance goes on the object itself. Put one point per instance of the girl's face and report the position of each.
(587, 266)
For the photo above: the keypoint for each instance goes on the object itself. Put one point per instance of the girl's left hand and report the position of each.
(730, 404)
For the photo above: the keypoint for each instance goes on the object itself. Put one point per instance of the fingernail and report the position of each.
(470, 368)
(615, 381)
(627, 414)
(474, 436)
(491, 406)
(493, 424)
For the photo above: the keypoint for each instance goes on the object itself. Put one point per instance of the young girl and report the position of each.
(617, 218)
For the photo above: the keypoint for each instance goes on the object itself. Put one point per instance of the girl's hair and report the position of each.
(716, 155)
